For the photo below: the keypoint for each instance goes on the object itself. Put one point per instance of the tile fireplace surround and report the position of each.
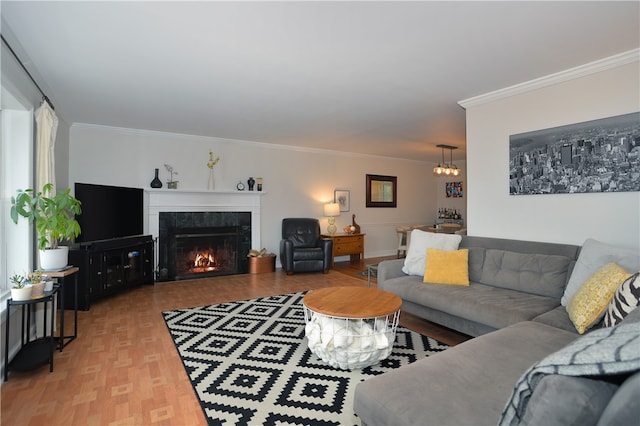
(172, 200)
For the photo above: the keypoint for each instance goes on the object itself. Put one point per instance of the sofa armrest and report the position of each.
(388, 269)
(327, 250)
(286, 255)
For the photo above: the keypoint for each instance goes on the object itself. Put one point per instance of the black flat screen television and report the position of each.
(109, 212)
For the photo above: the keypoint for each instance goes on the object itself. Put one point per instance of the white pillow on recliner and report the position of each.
(420, 241)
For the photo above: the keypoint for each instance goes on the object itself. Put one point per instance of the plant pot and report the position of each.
(23, 293)
(48, 285)
(54, 259)
(37, 290)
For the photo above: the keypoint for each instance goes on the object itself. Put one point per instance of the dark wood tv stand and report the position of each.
(110, 266)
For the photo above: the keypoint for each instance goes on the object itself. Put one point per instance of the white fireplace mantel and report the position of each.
(173, 200)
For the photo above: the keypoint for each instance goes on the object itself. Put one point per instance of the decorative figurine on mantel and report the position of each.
(354, 224)
(171, 184)
(212, 162)
(156, 182)
(251, 182)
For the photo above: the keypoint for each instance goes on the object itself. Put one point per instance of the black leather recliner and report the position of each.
(302, 249)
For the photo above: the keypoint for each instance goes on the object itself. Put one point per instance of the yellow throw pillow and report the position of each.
(587, 306)
(447, 267)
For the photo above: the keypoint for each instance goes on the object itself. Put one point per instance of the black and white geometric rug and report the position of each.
(249, 364)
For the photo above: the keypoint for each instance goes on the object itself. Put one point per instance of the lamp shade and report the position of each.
(332, 209)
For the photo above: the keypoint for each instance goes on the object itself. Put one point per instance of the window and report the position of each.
(16, 170)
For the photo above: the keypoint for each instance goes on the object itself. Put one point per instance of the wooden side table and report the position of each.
(347, 244)
(61, 277)
(351, 327)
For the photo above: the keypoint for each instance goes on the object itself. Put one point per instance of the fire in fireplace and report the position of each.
(195, 245)
(204, 262)
(204, 251)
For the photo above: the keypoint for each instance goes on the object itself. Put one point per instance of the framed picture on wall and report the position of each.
(342, 197)
(592, 156)
(381, 191)
(453, 189)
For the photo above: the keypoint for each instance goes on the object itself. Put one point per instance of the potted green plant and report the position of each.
(37, 285)
(19, 290)
(54, 218)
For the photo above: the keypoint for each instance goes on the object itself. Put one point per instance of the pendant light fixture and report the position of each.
(444, 169)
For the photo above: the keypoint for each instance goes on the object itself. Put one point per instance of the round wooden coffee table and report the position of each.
(351, 327)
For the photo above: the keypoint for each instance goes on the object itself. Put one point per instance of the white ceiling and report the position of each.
(382, 78)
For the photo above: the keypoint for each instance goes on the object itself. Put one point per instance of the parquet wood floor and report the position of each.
(123, 368)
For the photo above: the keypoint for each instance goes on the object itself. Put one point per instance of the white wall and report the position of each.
(62, 155)
(566, 218)
(297, 182)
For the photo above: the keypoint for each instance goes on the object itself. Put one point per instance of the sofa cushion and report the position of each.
(476, 260)
(623, 408)
(558, 317)
(447, 267)
(308, 253)
(544, 275)
(593, 256)
(567, 400)
(625, 299)
(458, 378)
(420, 241)
(493, 306)
(632, 317)
(587, 306)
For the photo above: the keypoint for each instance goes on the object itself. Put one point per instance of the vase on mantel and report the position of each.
(156, 182)
(212, 183)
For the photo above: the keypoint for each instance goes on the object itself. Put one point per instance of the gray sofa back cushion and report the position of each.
(476, 260)
(520, 246)
(540, 274)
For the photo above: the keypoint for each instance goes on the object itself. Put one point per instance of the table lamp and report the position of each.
(331, 210)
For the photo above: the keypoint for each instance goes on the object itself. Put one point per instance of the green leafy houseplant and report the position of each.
(53, 215)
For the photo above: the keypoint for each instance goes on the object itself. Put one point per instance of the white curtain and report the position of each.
(46, 129)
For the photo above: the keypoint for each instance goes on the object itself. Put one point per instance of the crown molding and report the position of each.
(551, 79)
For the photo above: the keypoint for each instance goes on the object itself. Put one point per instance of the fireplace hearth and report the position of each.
(203, 244)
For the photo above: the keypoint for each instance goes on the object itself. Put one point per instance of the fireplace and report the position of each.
(203, 244)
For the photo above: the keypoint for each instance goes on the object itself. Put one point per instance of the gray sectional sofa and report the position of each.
(511, 281)
(512, 307)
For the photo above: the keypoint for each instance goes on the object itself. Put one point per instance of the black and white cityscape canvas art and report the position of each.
(593, 156)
